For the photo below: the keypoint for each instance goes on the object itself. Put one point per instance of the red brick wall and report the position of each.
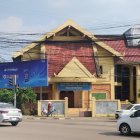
(59, 54)
(105, 88)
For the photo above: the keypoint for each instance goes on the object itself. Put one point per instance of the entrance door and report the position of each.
(70, 95)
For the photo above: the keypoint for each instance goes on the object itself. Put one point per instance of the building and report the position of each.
(82, 65)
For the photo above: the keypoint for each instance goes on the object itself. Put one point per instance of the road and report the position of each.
(64, 129)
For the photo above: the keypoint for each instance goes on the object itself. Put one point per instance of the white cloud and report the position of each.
(11, 24)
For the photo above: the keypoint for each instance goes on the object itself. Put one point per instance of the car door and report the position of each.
(136, 121)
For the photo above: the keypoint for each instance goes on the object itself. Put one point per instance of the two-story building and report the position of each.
(82, 65)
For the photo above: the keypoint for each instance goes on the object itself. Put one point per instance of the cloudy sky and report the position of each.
(44, 15)
(97, 16)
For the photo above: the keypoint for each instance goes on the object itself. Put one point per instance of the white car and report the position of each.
(129, 123)
(8, 113)
(130, 108)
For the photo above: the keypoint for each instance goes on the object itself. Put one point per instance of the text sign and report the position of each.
(74, 86)
(28, 73)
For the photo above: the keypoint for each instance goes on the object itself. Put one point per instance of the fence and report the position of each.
(87, 108)
(104, 107)
(60, 106)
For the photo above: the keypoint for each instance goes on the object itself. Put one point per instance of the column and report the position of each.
(137, 83)
(112, 83)
(131, 96)
(55, 92)
(66, 107)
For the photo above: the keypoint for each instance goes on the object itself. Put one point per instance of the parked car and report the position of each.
(130, 108)
(129, 123)
(8, 113)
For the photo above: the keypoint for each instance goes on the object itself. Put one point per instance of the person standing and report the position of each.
(49, 108)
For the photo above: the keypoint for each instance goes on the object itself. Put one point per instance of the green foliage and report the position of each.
(25, 95)
(6, 95)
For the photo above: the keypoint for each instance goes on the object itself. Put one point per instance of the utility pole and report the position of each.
(15, 81)
(14, 84)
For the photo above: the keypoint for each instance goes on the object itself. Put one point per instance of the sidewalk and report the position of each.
(68, 118)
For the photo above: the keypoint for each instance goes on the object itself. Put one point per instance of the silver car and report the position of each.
(129, 109)
(8, 113)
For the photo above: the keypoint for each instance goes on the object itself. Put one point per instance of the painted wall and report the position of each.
(107, 64)
(102, 88)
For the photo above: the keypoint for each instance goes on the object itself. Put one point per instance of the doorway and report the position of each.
(70, 95)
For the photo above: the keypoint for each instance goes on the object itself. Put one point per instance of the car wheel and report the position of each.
(125, 129)
(14, 123)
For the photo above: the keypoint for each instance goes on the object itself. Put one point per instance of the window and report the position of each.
(137, 113)
(137, 107)
(101, 69)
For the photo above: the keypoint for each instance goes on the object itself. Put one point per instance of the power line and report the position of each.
(12, 40)
(114, 27)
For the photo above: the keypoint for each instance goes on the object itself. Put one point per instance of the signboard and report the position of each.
(28, 73)
(79, 86)
(99, 95)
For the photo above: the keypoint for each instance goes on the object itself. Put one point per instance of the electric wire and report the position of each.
(16, 40)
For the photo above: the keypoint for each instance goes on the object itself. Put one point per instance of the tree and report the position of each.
(23, 96)
(6, 95)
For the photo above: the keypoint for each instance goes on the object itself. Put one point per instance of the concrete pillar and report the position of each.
(39, 108)
(112, 83)
(93, 106)
(66, 107)
(83, 98)
(131, 84)
(137, 83)
(119, 105)
(55, 92)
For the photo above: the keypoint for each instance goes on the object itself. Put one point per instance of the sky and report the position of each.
(97, 16)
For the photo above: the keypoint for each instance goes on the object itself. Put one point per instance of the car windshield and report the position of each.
(129, 107)
(6, 105)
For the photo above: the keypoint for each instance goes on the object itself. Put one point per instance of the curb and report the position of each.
(45, 118)
(67, 118)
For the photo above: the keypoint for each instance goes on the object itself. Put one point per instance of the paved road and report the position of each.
(68, 129)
